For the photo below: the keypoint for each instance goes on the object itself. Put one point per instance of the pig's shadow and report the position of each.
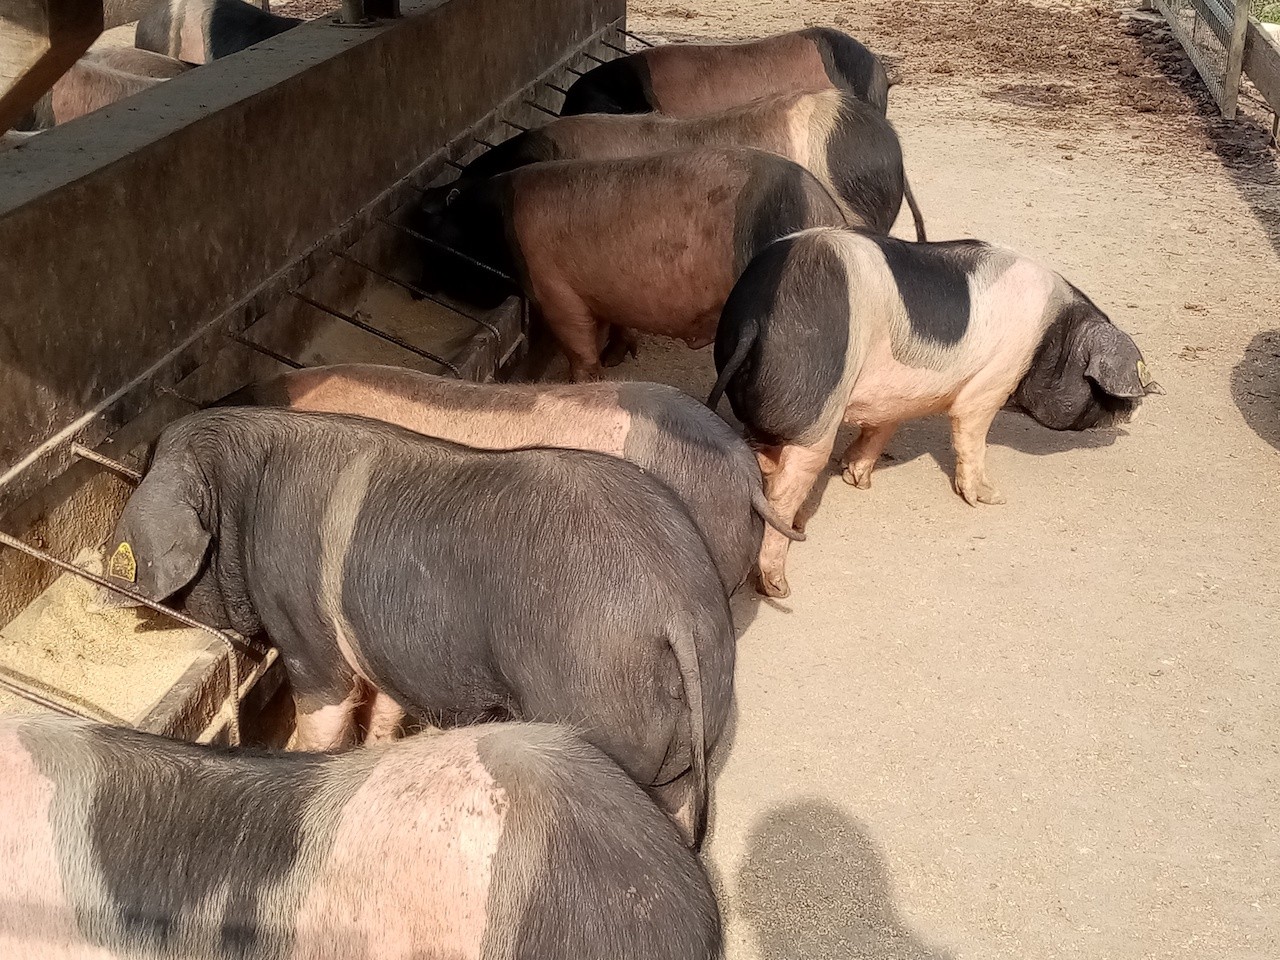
(812, 884)
(1255, 386)
(932, 436)
(745, 605)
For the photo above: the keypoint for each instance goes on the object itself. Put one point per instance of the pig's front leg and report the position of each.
(787, 487)
(860, 459)
(969, 426)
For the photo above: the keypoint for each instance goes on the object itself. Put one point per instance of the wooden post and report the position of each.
(1235, 60)
(39, 41)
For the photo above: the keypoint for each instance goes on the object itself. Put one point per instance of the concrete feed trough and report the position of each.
(166, 250)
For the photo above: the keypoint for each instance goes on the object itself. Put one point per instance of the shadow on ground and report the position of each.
(1255, 386)
(813, 885)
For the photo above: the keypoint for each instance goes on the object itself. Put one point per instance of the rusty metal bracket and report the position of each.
(115, 466)
(415, 289)
(592, 56)
(575, 71)
(233, 646)
(556, 88)
(517, 126)
(612, 46)
(483, 142)
(400, 342)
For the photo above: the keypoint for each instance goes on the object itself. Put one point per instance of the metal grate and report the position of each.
(1213, 34)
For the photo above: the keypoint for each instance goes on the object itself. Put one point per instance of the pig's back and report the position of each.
(690, 80)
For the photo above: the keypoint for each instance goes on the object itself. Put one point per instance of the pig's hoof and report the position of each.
(774, 586)
(976, 493)
(856, 478)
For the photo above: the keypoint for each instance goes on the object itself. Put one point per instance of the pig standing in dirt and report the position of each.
(101, 78)
(664, 432)
(512, 842)
(399, 573)
(692, 79)
(849, 146)
(835, 326)
(201, 31)
(650, 244)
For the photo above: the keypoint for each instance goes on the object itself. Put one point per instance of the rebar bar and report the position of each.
(628, 33)
(115, 466)
(381, 334)
(415, 289)
(59, 701)
(537, 106)
(266, 352)
(444, 246)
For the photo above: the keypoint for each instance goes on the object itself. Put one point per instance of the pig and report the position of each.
(664, 432)
(650, 244)
(512, 841)
(849, 146)
(693, 79)
(831, 326)
(100, 78)
(201, 31)
(397, 573)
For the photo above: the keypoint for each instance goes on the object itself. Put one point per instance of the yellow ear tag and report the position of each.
(123, 566)
(1144, 375)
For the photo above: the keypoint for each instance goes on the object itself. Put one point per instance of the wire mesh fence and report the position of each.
(1213, 34)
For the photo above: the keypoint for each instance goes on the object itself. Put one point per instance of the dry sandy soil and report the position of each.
(1049, 728)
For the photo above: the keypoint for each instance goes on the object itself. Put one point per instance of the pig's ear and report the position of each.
(1115, 364)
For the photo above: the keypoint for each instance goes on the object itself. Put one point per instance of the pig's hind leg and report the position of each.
(860, 459)
(579, 334)
(787, 487)
(326, 722)
(619, 344)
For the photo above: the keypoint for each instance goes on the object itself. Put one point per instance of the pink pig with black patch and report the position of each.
(501, 842)
(836, 326)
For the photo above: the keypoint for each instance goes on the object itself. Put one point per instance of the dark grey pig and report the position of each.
(833, 326)
(399, 573)
(504, 841)
(663, 431)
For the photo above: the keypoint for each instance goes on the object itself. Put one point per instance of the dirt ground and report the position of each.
(1049, 728)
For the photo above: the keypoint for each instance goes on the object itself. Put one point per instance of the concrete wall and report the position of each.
(128, 232)
(130, 240)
